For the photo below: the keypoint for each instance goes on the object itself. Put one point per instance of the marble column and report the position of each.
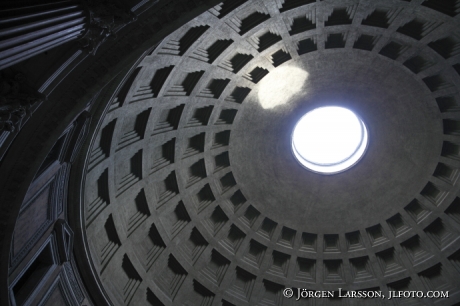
(28, 28)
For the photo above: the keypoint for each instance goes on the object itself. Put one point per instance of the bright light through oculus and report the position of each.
(329, 139)
(280, 85)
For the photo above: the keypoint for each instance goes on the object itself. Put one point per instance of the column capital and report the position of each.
(106, 17)
(16, 99)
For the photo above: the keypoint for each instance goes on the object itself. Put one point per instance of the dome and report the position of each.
(201, 184)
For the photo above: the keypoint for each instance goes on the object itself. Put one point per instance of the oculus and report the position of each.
(329, 140)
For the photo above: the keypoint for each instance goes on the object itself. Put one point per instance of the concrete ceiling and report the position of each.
(192, 194)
